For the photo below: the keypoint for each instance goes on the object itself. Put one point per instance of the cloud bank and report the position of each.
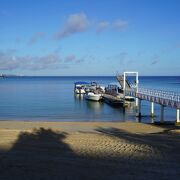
(10, 61)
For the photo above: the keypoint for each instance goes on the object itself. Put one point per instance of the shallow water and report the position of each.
(53, 99)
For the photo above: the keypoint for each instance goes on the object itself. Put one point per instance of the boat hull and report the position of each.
(93, 97)
(112, 100)
(79, 91)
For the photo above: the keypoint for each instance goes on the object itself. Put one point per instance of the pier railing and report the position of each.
(166, 98)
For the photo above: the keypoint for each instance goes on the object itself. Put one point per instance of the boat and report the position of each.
(94, 87)
(92, 96)
(116, 90)
(79, 87)
(129, 98)
(113, 100)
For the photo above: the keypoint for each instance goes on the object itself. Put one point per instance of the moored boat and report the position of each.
(93, 97)
(112, 100)
(95, 87)
(116, 90)
(79, 87)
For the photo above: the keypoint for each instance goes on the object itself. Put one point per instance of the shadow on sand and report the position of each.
(43, 154)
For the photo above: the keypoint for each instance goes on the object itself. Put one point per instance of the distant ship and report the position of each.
(7, 75)
(1, 76)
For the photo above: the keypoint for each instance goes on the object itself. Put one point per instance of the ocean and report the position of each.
(53, 99)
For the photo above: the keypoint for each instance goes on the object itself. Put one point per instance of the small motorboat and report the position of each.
(94, 87)
(115, 90)
(92, 96)
(79, 87)
(113, 100)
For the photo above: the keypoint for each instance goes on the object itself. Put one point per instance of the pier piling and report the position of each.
(162, 114)
(152, 109)
(177, 116)
(138, 113)
(136, 103)
(139, 107)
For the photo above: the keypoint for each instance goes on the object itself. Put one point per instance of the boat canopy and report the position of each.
(80, 82)
(114, 84)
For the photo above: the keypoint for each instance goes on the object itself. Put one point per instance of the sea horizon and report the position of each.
(11, 76)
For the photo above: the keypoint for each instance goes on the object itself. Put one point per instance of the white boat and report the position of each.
(93, 97)
(79, 90)
(94, 87)
(79, 87)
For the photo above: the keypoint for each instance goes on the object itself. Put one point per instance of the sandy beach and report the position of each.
(88, 150)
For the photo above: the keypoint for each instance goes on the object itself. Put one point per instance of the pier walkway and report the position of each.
(164, 98)
(161, 97)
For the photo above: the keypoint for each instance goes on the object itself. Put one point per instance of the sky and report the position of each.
(89, 37)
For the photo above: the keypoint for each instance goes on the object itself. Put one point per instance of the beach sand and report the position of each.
(88, 150)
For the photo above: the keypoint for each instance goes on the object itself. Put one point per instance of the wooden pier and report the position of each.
(163, 98)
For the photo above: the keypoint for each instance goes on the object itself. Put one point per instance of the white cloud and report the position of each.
(70, 58)
(102, 26)
(74, 59)
(75, 23)
(120, 25)
(78, 22)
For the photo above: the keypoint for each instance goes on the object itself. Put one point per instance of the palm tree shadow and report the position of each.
(43, 154)
(40, 140)
(40, 154)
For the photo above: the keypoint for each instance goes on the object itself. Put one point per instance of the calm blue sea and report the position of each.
(53, 99)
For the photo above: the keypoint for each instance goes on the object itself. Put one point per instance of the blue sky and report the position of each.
(89, 37)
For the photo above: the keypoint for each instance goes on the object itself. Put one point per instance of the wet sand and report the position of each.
(88, 150)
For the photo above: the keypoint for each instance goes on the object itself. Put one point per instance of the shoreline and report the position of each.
(130, 126)
(44, 123)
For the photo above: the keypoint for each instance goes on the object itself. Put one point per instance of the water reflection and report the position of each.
(130, 105)
(95, 106)
(138, 119)
(152, 120)
(78, 97)
(95, 110)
